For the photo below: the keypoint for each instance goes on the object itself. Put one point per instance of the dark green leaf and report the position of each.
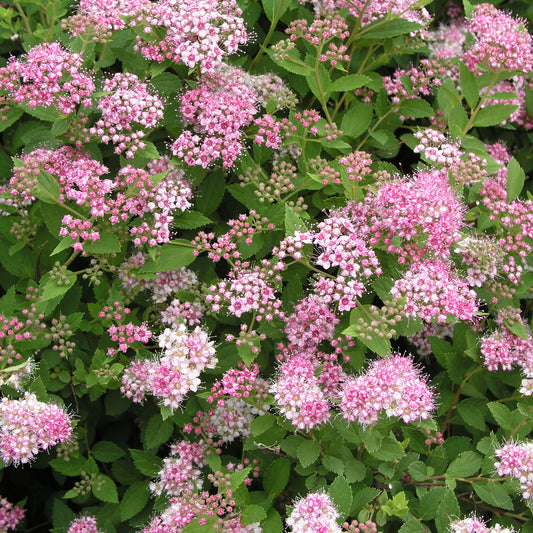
(357, 119)
(355, 470)
(515, 180)
(277, 476)
(389, 450)
(62, 515)
(392, 28)
(106, 451)
(104, 489)
(47, 188)
(71, 467)
(134, 499)
(349, 83)
(447, 511)
(466, 464)
(146, 463)
(308, 452)
(261, 423)
(493, 494)
(333, 464)
(412, 526)
(274, 9)
(469, 85)
(418, 471)
(158, 431)
(416, 108)
(108, 243)
(171, 256)
(190, 220)
(493, 115)
(341, 494)
(252, 514)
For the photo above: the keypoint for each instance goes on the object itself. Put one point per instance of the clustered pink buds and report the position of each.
(10, 516)
(28, 426)
(315, 513)
(393, 385)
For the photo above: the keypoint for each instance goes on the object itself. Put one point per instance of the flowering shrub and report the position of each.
(265, 266)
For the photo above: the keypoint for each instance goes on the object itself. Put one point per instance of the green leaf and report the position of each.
(108, 243)
(357, 119)
(515, 182)
(416, 108)
(493, 115)
(274, 9)
(190, 220)
(466, 464)
(146, 463)
(412, 526)
(319, 84)
(252, 514)
(134, 499)
(106, 451)
(171, 256)
(293, 222)
(277, 476)
(308, 452)
(273, 522)
(418, 471)
(447, 511)
(73, 467)
(469, 85)
(493, 494)
(104, 489)
(349, 83)
(62, 515)
(355, 470)
(502, 414)
(393, 28)
(47, 188)
(341, 494)
(158, 431)
(389, 450)
(261, 423)
(12, 116)
(53, 290)
(237, 478)
(333, 464)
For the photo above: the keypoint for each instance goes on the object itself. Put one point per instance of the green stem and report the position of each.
(263, 46)
(66, 207)
(23, 16)
(322, 96)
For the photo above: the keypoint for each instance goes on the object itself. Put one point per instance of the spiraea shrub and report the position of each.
(265, 266)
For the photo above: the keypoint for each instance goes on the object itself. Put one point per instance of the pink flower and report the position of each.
(84, 524)
(314, 514)
(10, 516)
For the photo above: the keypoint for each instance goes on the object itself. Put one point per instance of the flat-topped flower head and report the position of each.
(315, 513)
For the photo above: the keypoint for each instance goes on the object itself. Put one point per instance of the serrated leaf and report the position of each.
(104, 489)
(469, 85)
(493, 494)
(47, 188)
(72, 467)
(333, 464)
(53, 290)
(252, 514)
(134, 499)
(62, 515)
(274, 9)
(447, 511)
(389, 450)
(412, 526)
(106, 451)
(349, 83)
(515, 179)
(493, 115)
(357, 119)
(277, 476)
(392, 28)
(171, 256)
(190, 220)
(158, 431)
(146, 463)
(416, 108)
(341, 494)
(308, 452)
(466, 464)
(11, 117)
(319, 84)
(354, 470)
(108, 243)
(261, 423)
(418, 471)
(501, 414)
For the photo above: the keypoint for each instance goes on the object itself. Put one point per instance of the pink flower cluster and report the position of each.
(177, 371)
(48, 76)
(432, 290)
(472, 524)
(393, 385)
(503, 348)
(181, 472)
(130, 105)
(516, 460)
(315, 513)
(423, 209)
(217, 109)
(84, 524)
(10, 516)
(501, 42)
(299, 395)
(28, 426)
(198, 32)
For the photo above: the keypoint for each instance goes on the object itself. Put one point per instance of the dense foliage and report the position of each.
(266, 266)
